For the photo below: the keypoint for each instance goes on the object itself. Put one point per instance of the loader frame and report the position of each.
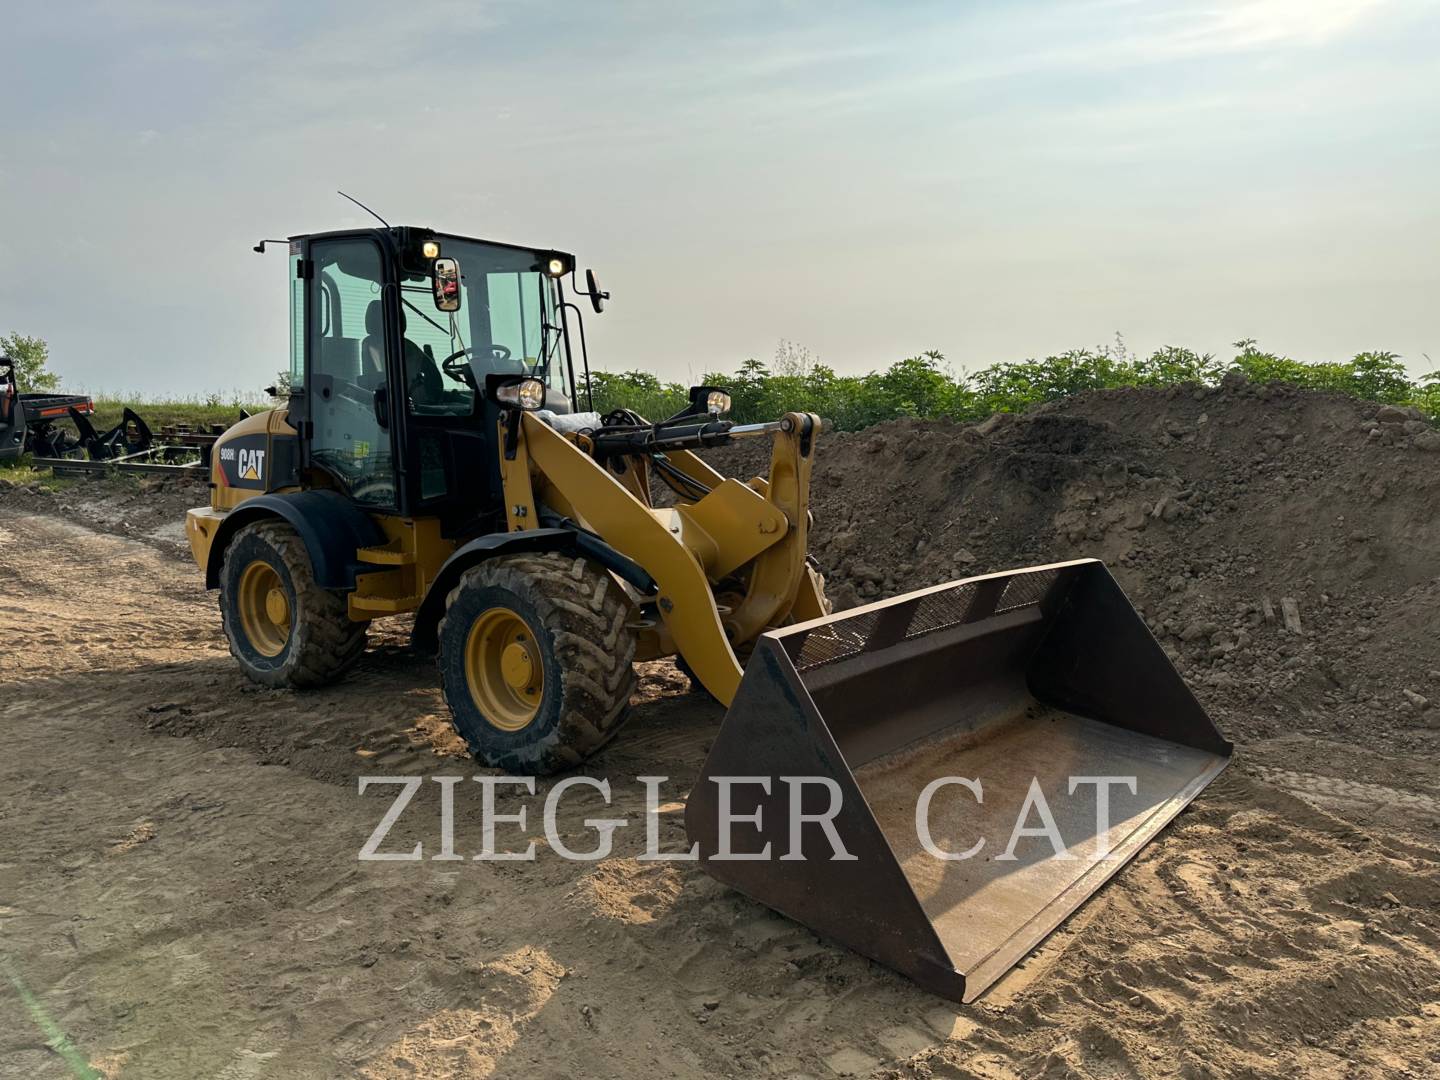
(669, 559)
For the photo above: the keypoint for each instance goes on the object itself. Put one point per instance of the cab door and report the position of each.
(348, 378)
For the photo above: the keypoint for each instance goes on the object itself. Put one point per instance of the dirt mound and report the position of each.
(150, 508)
(1282, 544)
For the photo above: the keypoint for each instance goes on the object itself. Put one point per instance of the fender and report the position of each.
(424, 637)
(332, 527)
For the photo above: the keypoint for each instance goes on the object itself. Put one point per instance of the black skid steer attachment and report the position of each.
(1041, 688)
(130, 436)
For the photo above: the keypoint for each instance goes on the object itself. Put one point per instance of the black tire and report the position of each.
(323, 641)
(577, 614)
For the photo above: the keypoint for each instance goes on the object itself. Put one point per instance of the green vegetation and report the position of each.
(22, 471)
(923, 386)
(193, 412)
(30, 354)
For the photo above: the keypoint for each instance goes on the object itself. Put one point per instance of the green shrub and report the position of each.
(1171, 365)
(923, 386)
(639, 391)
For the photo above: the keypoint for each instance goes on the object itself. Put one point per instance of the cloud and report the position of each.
(1256, 23)
(1195, 29)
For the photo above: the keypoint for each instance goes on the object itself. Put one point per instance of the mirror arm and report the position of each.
(604, 294)
(422, 314)
(584, 352)
(564, 331)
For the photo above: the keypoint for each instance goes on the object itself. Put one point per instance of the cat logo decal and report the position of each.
(251, 464)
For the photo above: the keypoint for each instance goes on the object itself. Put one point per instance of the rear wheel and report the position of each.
(535, 659)
(284, 629)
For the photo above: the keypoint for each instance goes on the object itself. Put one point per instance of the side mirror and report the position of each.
(592, 288)
(447, 284)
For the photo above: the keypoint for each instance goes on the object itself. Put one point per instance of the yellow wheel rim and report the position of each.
(504, 669)
(264, 608)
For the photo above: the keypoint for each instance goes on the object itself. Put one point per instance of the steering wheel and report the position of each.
(461, 372)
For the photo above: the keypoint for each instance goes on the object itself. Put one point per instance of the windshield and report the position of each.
(507, 323)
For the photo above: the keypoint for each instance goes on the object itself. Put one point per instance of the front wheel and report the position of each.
(535, 659)
(283, 628)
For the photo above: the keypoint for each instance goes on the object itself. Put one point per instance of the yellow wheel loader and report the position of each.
(433, 458)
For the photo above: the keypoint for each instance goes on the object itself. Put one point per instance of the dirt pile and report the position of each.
(150, 508)
(1283, 545)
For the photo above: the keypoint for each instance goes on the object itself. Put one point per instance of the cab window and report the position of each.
(347, 389)
(508, 323)
(436, 357)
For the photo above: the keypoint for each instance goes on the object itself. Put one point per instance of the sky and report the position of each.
(994, 180)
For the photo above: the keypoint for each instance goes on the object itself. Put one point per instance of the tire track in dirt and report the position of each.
(1333, 791)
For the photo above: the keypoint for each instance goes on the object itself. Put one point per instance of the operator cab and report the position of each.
(394, 333)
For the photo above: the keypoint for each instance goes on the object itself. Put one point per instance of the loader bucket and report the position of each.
(1037, 675)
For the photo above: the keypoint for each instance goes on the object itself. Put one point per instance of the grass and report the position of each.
(194, 412)
(22, 471)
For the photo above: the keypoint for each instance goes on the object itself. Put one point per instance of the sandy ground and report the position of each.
(180, 894)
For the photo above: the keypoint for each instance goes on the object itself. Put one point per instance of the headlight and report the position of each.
(717, 403)
(528, 394)
(431, 250)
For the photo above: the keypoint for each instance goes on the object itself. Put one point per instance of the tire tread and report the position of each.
(587, 614)
(327, 641)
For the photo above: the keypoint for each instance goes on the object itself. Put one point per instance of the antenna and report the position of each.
(367, 209)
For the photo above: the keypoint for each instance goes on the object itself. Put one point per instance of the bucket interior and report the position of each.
(989, 911)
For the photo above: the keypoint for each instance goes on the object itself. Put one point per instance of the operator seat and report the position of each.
(425, 383)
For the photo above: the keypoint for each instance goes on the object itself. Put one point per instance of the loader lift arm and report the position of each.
(687, 549)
